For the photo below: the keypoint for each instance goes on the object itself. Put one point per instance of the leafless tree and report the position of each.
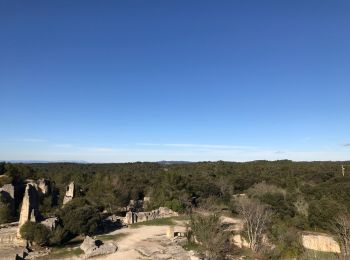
(342, 229)
(256, 217)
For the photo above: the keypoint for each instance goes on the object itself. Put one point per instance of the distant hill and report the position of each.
(174, 162)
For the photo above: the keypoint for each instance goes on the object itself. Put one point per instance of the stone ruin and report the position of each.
(135, 217)
(30, 206)
(70, 193)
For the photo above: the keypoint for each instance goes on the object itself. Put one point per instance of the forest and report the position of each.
(301, 195)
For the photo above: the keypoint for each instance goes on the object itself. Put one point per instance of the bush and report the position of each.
(212, 239)
(322, 212)
(35, 232)
(79, 217)
(175, 205)
(5, 211)
(59, 236)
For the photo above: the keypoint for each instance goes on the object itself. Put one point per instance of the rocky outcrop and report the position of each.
(30, 206)
(44, 186)
(135, 205)
(8, 194)
(93, 247)
(70, 192)
(320, 242)
(240, 241)
(135, 217)
(50, 223)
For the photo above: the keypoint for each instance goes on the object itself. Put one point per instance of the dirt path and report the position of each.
(147, 242)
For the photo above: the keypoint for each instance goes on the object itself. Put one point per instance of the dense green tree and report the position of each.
(79, 217)
(35, 232)
(322, 213)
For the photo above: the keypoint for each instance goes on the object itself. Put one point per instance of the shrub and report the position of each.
(35, 232)
(175, 205)
(5, 211)
(79, 217)
(212, 239)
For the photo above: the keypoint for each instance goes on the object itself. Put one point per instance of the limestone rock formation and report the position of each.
(92, 247)
(30, 206)
(70, 192)
(320, 242)
(44, 186)
(8, 194)
(50, 223)
(135, 205)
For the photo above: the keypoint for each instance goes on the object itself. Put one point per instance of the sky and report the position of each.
(122, 81)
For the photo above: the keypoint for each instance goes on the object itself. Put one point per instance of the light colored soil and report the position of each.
(147, 242)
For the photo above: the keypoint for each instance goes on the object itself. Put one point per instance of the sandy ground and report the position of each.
(143, 242)
(147, 242)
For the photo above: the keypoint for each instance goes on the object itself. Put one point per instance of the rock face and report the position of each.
(8, 194)
(135, 205)
(240, 241)
(50, 223)
(92, 247)
(70, 192)
(30, 206)
(135, 217)
(44, 186)
(320, 242)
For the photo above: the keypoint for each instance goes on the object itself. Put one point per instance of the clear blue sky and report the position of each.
(118, 81)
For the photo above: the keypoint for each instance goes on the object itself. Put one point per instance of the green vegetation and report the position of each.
(114, 237)
(79, 217)
(5, 211)
(301, 195)
(35, 232)
(155, 222)
(191, 246)
(316, 255)
(211, 238)
(63, 253)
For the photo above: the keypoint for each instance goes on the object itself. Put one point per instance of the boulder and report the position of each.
(93, 247)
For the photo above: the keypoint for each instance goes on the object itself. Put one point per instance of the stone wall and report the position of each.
(135, 217)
